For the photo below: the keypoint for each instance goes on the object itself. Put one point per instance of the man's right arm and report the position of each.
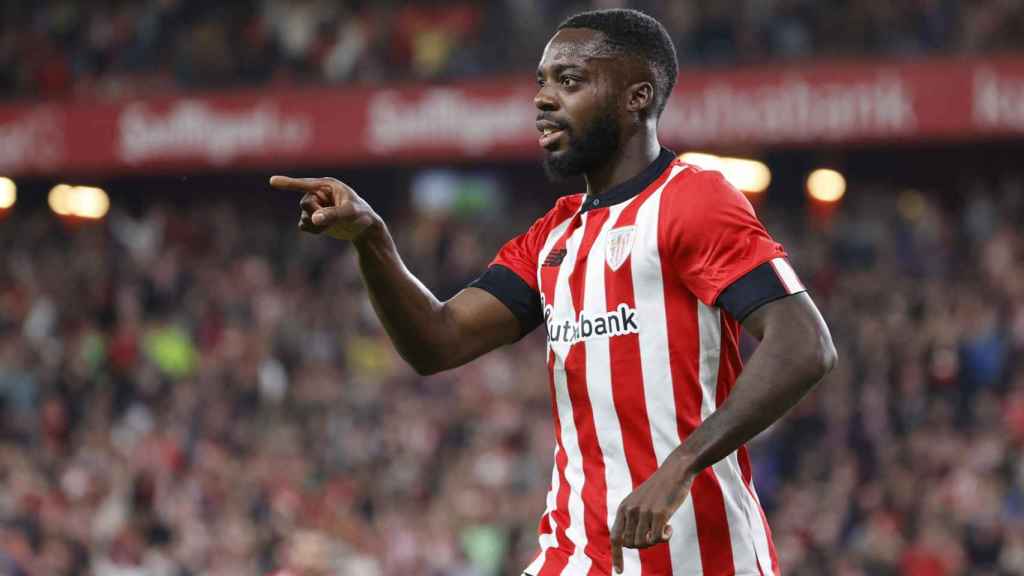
(429, 334)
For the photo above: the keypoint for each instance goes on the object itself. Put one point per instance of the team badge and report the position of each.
(618, 246)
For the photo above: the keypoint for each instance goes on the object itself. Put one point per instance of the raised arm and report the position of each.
(429, 334)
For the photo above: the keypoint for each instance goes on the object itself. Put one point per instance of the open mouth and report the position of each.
(549, 137)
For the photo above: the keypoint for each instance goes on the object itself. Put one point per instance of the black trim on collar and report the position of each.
(633, 186)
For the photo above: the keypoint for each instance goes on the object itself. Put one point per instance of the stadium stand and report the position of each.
(192, 387)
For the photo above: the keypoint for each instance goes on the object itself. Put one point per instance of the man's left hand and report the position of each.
(642, 518)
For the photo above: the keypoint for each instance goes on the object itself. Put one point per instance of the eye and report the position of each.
(540, 82)
(568, 81)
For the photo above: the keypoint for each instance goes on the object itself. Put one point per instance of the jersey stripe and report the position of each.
(594, 491)
(787, 276)
(555, 557)
(546, 529)
(566, 402)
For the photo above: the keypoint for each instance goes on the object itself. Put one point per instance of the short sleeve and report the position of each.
(712, 235)
(512, 279)
(519, 255)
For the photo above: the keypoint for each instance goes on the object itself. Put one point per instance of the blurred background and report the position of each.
(189, 386)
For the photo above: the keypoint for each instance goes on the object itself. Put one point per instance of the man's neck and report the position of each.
(633, 157)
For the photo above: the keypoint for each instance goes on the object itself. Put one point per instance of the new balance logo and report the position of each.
(617, 322)
(555, 258)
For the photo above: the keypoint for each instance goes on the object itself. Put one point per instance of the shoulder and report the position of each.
(699, 198)
(564, 209)
(701, 189)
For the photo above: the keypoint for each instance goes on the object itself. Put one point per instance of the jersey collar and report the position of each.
(633, 186)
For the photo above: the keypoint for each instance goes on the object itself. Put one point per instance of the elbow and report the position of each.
(825, 358)
(426, 364)
(426, 368)
(423, 366)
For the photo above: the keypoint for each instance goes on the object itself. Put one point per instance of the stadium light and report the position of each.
(8, 193)
(85, 202)
(750, 176)
(826, 185)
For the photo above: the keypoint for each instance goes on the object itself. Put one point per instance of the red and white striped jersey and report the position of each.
(639, 353)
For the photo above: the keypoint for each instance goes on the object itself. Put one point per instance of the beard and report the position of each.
(592, 149)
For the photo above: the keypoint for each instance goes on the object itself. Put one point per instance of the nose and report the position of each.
(544, 100)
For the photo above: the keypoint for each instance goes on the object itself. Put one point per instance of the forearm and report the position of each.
(777, 376)
(411, 315)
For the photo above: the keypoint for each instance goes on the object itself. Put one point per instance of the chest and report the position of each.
(592, 272)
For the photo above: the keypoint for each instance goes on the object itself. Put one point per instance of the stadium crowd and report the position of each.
(195, 391)
(61, 48)
(191, 390)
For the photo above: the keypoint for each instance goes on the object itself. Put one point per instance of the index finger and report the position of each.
(616, 539)
(297, 184)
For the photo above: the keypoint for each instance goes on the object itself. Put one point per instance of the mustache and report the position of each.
(559, 123)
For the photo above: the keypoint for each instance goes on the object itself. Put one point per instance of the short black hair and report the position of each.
(632, 32)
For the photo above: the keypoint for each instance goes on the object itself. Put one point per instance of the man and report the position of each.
(642, 283)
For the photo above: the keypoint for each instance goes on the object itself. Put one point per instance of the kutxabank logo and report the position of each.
(588, 325)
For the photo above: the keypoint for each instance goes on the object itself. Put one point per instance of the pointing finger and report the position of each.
(297, 184)
(617, 557)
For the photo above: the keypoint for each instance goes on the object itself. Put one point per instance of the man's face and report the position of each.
(577, 111)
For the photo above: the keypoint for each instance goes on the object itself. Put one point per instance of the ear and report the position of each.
(640, 97)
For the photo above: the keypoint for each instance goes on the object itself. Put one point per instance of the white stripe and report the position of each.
(738, 512)
(563, 309)
(549, 540)
(648, 290)
(599, 384)
(787, 275)
(710, 326)
(764, 553)
(710, 323)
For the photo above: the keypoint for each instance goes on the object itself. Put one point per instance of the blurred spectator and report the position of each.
(114, 47)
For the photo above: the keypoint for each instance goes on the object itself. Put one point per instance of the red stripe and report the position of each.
(545, 525)
(730, 363)
(595, 490)
(628, 391)
(554, 562)
(560, 514)
(684, 359)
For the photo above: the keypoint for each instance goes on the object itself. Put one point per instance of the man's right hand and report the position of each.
(330, 206)
(431, 335)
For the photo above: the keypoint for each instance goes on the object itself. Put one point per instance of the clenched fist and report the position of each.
(330, 206)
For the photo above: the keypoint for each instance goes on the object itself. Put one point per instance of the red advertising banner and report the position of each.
(827, 103)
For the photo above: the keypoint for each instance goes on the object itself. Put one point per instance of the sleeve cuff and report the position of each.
(769, 281)
(523, 301)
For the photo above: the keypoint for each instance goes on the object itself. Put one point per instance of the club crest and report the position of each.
(618, 246)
